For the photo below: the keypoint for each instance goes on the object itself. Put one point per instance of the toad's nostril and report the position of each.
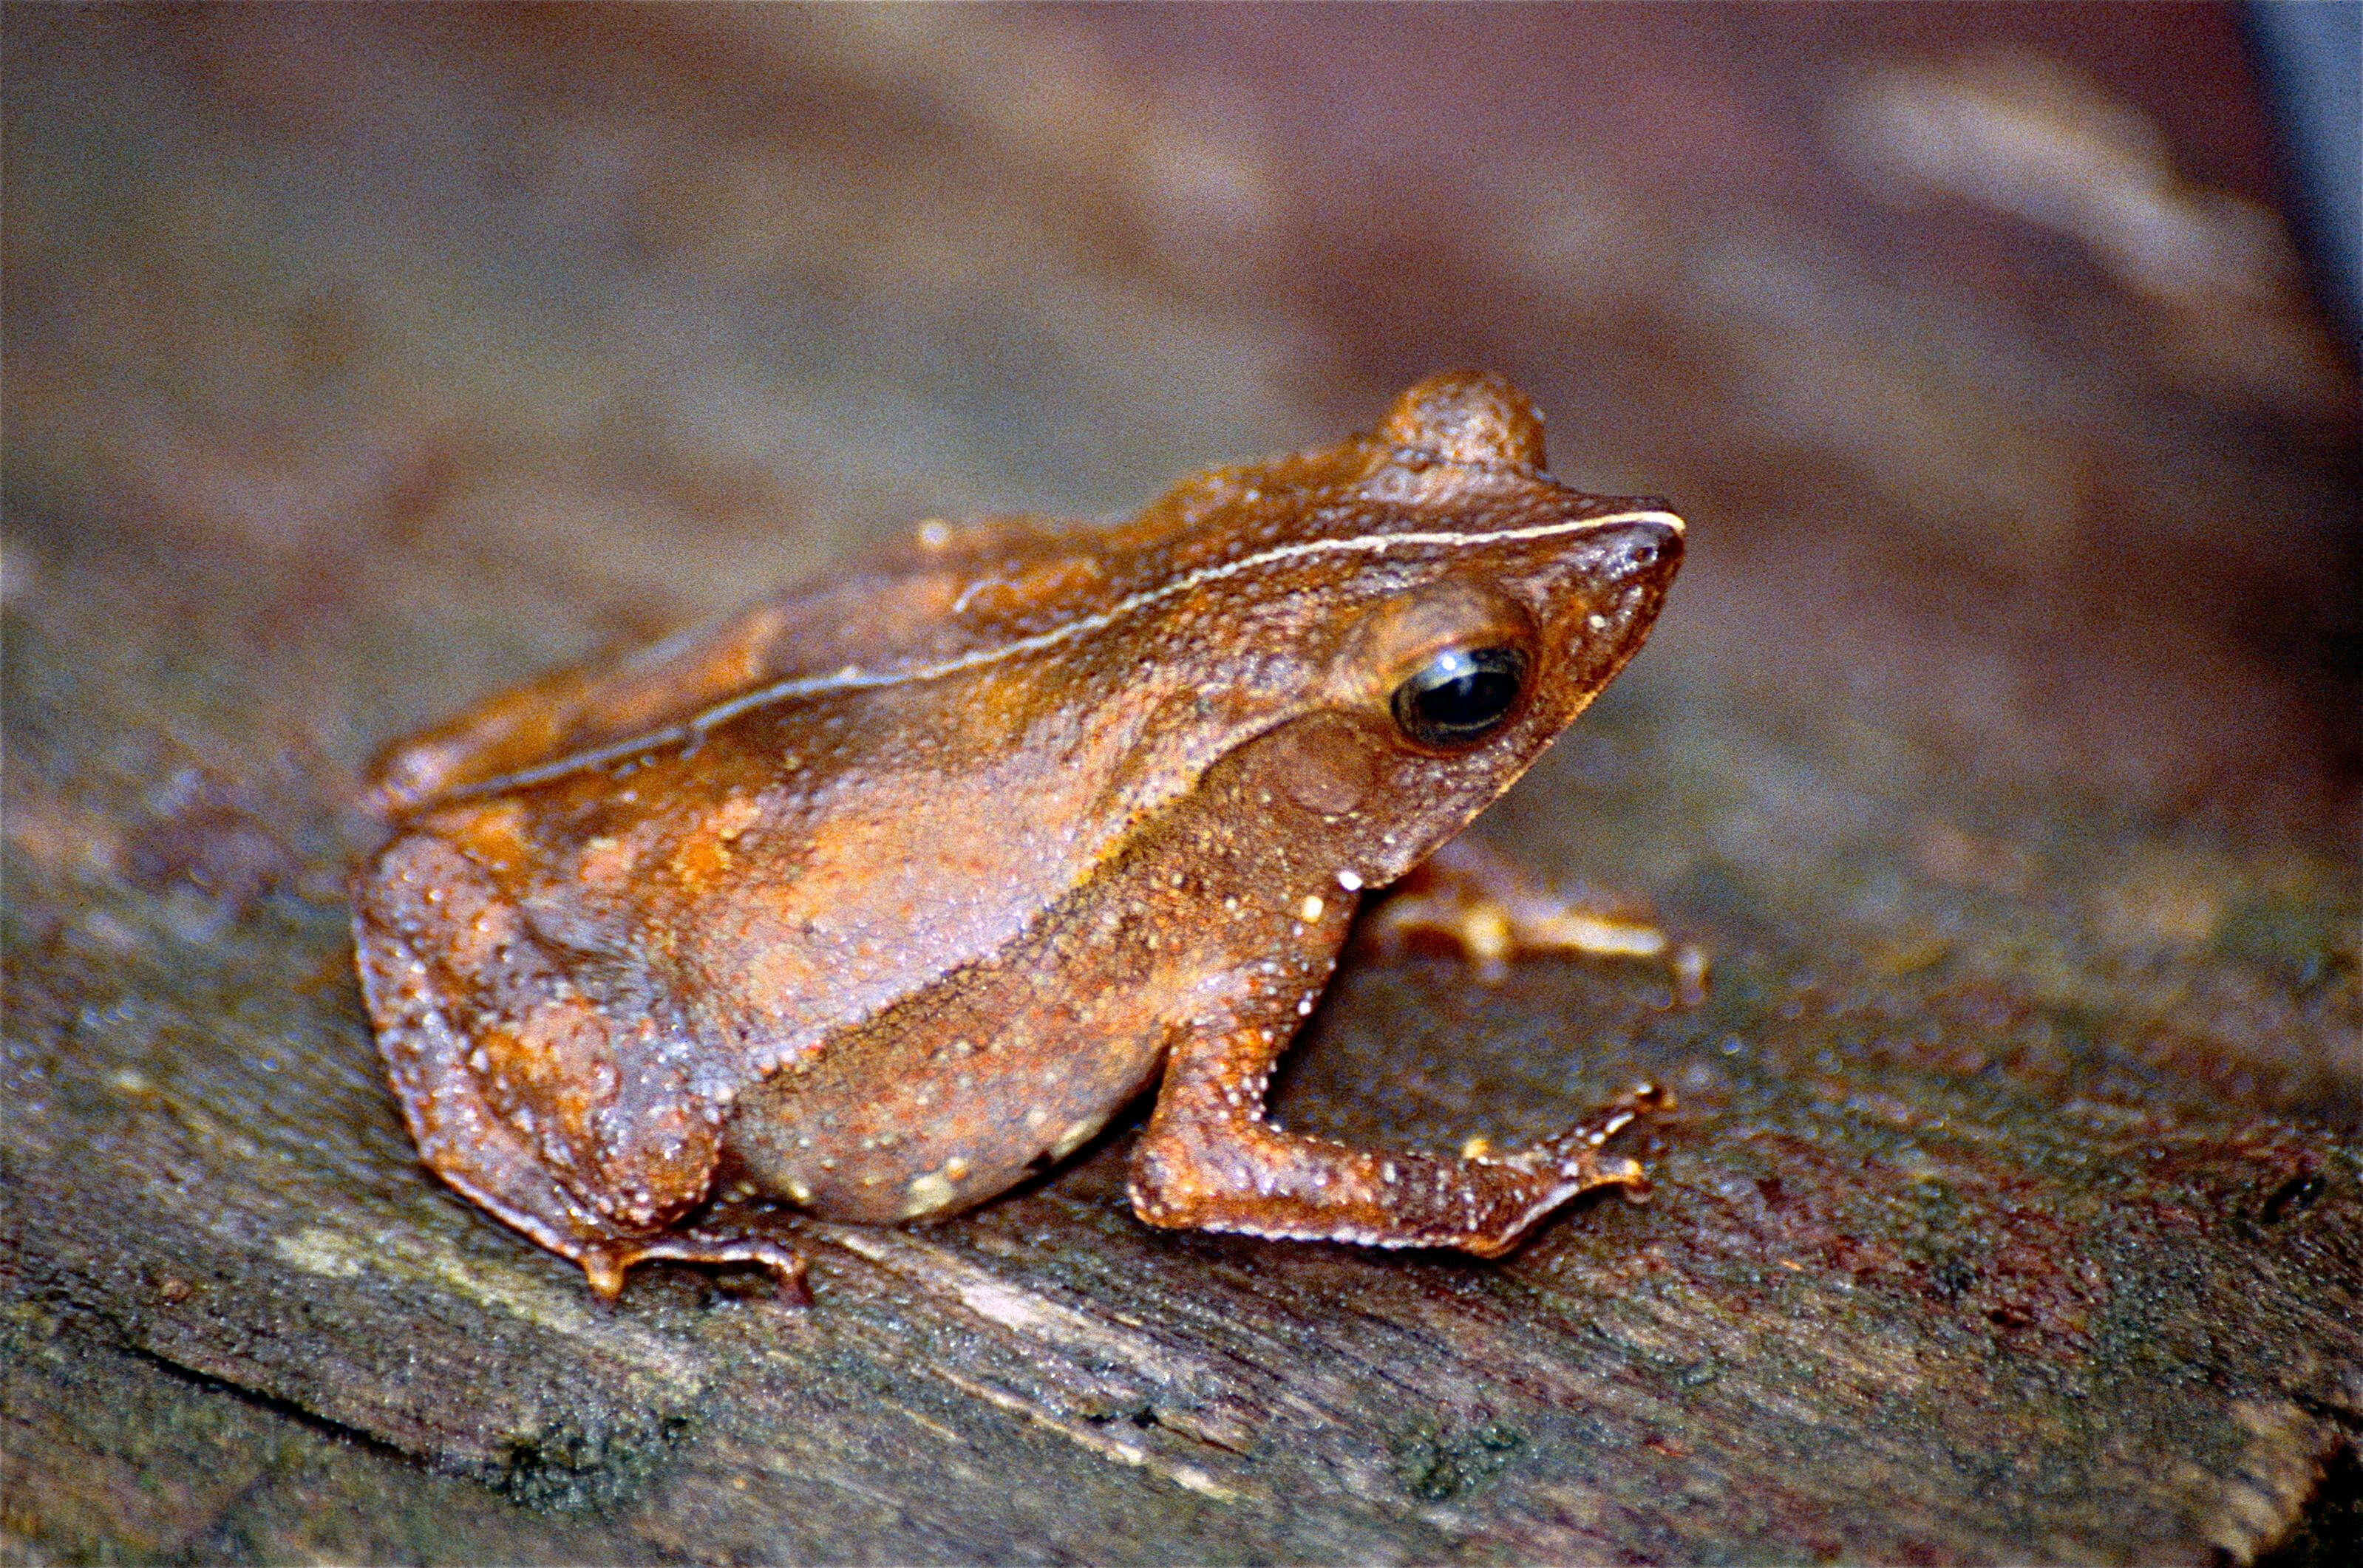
(1639, 549)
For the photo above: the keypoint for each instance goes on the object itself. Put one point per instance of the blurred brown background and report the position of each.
(2001, 740)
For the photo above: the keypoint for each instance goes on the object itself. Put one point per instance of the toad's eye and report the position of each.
(1460, 696)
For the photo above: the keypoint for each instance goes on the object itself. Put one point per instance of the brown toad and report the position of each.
(897, 886)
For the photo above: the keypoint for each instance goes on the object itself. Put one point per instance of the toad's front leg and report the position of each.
(1210, 1160)
(1493, 911)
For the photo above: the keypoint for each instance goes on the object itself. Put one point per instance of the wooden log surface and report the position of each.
(2014, 1207)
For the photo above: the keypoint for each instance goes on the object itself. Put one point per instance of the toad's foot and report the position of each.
(739, 1242)
(1210, 1160)
(1478, 901)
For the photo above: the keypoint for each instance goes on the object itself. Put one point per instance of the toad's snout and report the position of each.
(1646, 549)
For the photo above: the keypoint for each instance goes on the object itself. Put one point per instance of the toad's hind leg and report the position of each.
(526, 1098)
(1210, 1160)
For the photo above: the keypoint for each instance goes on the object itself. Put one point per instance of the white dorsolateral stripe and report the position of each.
(853, 679)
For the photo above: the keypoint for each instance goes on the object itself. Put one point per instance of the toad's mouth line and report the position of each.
(853, 678)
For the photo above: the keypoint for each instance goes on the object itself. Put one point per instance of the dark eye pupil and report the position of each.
(1461, 696)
